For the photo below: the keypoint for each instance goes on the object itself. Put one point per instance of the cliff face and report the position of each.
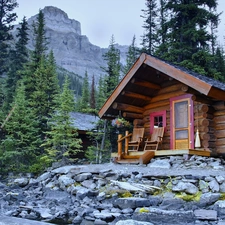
(72, 50)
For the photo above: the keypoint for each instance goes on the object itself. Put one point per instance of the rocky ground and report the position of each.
(169, 190)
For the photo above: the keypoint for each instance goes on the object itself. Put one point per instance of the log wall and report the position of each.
(160, 103)
(209, 119)
(203, 121)
(219, 125)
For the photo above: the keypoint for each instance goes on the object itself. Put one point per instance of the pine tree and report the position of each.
(185, 33)
(22, 140)
(187, 27)
(132, 55)
(93, 93)
(45, 91)
(150, 38)
(38, 55)
(112, 58)
(40, 46)
(162, 48)
(84, 103)
(18, 58)
(219, 63)
(61, 142)
(101, 93)
(7, 17)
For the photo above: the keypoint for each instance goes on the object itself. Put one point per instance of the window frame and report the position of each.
(156, 114)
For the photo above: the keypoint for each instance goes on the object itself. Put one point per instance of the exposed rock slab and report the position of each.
(4, 220)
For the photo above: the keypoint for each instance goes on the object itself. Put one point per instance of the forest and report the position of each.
(37, 96)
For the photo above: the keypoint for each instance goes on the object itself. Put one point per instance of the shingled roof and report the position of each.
(84, 122)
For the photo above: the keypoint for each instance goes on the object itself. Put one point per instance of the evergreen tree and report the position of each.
(219, 63)
(7, 17)
(186, 33)
(38, 55)
(84, 102)
(22, 140)
(101, 93)
(45, 91)
(162, 48)
(93, 93)
(112, 58)
(62, 142)
(18, 58)
(132, 55)
(40, 46)
(150, 38)
(187, 28)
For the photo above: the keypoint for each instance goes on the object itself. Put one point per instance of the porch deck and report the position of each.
(144, 157)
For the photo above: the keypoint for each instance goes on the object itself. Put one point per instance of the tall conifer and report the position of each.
(112, 70)
(7, 17)
(22, 140)
(61, 141)
(17, 60)
(150, 37)
(132, 55)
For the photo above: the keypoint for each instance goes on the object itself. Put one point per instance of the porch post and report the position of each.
(126, 142)
(119, 147)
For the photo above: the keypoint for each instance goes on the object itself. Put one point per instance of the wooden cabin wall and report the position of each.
(219, 125)
(203, 121)
(166, 136)
(208, 118)
(161, 102)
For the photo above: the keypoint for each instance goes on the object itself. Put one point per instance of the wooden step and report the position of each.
(146, 157)
(199, 152)
(130, 156)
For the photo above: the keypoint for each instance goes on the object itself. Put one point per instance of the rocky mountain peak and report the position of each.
(72, 50)
(56, 19)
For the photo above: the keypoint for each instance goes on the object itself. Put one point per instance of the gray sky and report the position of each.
(100, 19)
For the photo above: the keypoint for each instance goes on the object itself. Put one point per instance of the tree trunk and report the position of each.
(103, 142)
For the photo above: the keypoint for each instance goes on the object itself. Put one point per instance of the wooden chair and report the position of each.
(136, 139)
(151, 144)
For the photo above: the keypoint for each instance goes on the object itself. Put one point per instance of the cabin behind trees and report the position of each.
(155, 93)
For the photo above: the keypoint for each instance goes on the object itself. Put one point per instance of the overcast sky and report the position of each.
(100, 19)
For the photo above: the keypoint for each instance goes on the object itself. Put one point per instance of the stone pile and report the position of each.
(169, 190)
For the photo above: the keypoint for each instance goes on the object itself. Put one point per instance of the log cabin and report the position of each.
(156, 92)
(84, 123)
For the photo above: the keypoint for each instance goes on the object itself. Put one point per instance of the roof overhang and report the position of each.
(151, 73)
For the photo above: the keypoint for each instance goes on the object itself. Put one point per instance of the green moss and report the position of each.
(119, 192)
(126, 194)
(222, 196)
(189, 197)
(143, 210)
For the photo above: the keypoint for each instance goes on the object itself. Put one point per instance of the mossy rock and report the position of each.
(222, 196)
(189, 197)
(143, 210)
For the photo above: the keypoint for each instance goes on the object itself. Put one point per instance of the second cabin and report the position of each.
(155, 93)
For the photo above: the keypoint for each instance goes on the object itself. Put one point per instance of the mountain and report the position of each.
(72, 50)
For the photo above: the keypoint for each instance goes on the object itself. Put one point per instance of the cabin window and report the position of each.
(157, 119)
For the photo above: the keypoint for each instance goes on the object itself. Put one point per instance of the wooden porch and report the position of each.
(144, 157)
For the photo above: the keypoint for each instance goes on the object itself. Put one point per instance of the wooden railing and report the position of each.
(120, 140)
